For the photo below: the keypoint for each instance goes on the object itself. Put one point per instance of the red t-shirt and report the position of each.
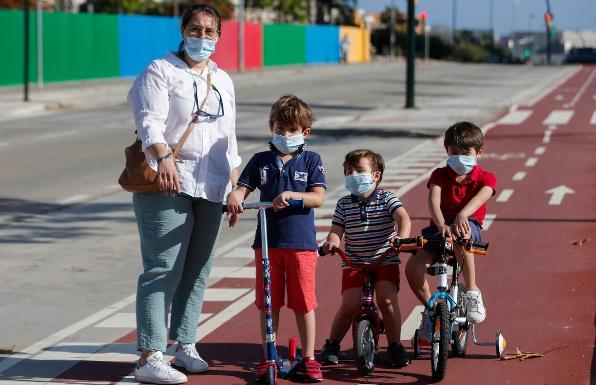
(454, 196)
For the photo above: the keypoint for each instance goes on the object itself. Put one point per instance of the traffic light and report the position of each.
(548, 18)
(423, 17)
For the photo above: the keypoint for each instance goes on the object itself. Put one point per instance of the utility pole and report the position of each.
(454, 22)
(411, 44)
(176, 6)
(491, 20)
(548, 18)
(241, 36)
(392, 31)
(26, 53)
(39, 44)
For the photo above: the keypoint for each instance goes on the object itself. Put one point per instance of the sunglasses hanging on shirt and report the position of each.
(202, 113)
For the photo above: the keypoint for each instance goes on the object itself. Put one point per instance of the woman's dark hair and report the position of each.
(201, 8)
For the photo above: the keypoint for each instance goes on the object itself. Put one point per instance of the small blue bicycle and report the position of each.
(449, 326)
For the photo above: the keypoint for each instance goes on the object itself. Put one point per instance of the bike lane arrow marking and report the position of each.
(558, 193)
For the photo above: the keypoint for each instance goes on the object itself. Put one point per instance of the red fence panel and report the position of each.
(253, 51)
(226, 51)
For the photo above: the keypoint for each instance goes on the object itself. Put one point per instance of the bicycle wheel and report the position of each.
(365, 347)
(460, 331)
(440, 341)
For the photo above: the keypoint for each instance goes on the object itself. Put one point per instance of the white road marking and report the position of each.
(531, 162)
(558, 193)
(53, 339)
(552, 127)
(539, 150)
(547, 135)
(581, 91)
(558, 117)
(322, 235)
(55, 135)
(223, 294)
(248, 147)
(515, 117)
(4, 144)
(520, 175)
(411, 323)
(73, 199)
(559, 97)
(119, 320)
(240, 252)
(593, 119)
(225, 315)
(232, 272)
(548, 85)
(505, 195)
(488, 221)
(322, 222)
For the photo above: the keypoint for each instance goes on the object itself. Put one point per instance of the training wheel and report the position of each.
(500, 343)
(292, 345)
(415, 344)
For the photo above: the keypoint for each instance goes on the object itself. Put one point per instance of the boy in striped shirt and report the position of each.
(368, 218)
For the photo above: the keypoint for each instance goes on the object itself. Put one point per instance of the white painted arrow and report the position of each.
(558, 193)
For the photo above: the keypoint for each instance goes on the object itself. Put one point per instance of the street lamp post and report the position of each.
(411, 43)
(392, 31)
(454, 22)
(241, 36)
(26, 53)
(40, 45)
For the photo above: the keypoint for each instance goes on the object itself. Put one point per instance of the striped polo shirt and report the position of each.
(368, 225)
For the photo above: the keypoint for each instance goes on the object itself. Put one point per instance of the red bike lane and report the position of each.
(537, 281)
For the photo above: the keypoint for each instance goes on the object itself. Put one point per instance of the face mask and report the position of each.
(359, 184)
(461, 164)
(287, 144)
(199, 49)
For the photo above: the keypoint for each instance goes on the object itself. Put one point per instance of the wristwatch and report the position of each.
(167, 156)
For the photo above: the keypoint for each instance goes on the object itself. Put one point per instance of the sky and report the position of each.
(518, 15)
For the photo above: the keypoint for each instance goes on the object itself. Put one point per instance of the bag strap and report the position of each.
(195, 118)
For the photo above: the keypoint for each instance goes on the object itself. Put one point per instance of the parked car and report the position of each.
(581, 56)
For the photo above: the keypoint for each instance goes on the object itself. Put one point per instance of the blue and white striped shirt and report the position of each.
(368, 225)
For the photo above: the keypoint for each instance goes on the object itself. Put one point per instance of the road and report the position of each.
(70, 249)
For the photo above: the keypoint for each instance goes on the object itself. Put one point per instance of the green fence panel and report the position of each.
(284, 44)
(12, 45)
(80, 46)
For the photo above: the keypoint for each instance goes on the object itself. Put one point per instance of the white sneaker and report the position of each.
(158, 371)
(425, 328)
(188, 358)
(475, 312)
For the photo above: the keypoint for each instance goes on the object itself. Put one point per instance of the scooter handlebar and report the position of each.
(292, 204)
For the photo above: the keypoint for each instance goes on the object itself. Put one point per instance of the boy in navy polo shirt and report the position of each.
(287, 172)
(367, 219)
(457, 200)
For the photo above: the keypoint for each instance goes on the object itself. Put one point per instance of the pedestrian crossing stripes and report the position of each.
(558, 117)
(515, 117)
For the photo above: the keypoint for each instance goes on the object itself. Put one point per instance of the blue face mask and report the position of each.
(199, 49)
(287, 144)
(461, 164)
(359, 184)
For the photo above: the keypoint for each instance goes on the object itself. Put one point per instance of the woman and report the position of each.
(178, 227)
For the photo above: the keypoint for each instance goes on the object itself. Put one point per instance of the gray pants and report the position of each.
(178, 237)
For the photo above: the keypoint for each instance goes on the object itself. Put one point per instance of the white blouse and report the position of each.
(163, 101)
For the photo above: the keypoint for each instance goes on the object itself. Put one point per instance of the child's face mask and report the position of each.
(462, 164)
(359, 183)
(287, 144)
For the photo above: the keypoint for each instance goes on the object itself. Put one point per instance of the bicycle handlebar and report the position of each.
(292, 204)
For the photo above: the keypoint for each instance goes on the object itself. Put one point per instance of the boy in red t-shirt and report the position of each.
(457, 201)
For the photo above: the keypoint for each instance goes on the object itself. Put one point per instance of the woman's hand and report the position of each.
(167, 177)
(281, 201)
(233, 219)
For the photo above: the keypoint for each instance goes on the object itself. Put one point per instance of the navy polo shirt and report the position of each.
(288, 228)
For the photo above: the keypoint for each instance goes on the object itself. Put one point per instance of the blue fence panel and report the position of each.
(145, 38)
(322, 44)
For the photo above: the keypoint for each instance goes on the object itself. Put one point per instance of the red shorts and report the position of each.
(296, 267)
(351, 278)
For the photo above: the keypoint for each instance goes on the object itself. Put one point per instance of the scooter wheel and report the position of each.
(500, 343)
(271, 375)
(415, 344)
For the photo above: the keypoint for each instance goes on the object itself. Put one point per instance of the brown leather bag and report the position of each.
(138, 176)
